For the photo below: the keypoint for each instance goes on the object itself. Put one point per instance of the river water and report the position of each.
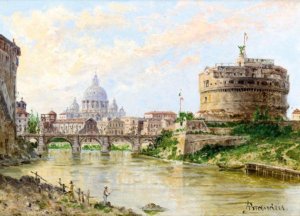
(183, 189)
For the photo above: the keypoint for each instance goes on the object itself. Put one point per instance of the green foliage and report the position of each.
(120, 148)
(294, 154)
(92, 147)
(261, 115)
(102, 207)
(33, 123)
(163, 143)
(60, 145)
(262, 130)
(206, 153)
(185, 116)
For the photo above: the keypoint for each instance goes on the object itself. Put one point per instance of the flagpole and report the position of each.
(179, 104)
(180, 98)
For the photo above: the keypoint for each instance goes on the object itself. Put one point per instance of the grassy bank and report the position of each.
(120, 148)
(268, 144)
(25, 197)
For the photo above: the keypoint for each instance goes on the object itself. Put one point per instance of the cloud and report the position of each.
(97, 20)
(56, 47)
(121, 8)
(143, 51)
(189, 61)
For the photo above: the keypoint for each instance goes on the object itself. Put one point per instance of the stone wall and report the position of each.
(234, 92)
(294, 124)
(193, 143)
(9, 53)
(220, 130)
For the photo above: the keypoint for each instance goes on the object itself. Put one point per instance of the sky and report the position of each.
(144, 52)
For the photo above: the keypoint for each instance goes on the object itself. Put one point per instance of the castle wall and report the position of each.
(234, 93)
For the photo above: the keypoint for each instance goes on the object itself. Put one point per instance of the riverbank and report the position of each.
(25, 153)
(25, 197)
(268, 144)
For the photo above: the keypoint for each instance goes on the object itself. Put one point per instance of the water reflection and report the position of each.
(182, 189)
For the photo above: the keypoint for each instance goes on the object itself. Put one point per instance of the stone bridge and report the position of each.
(76, 140)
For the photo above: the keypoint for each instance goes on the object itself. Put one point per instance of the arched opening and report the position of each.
(90, 144)
(59, 143)
(145, 144)
(121, 144)
(34, 142)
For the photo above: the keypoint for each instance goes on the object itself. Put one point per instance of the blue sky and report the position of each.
(144, 52)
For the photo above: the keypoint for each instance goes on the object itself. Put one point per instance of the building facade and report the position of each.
(22, 117)
(131, 125)
(234, 92)
(115, 127)
(102, 126)
(156, 121)
(47, 122)
(168, 115)
(9, 54)
(296, 115)
(68, 126)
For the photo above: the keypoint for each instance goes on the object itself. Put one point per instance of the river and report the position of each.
(182, 189)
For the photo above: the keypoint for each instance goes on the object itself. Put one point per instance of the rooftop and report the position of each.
(10, 43)
(161, 112)
(296, 111)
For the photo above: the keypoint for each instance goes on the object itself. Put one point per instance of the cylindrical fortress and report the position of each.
(233, 93)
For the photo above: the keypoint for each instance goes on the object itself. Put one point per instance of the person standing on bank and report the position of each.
(105, 194)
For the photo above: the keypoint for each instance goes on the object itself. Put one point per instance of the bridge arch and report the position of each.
(115, 140)
(53, 139)
(87, 140)
(145, 142)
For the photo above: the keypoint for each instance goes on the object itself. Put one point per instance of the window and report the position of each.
(205, 99)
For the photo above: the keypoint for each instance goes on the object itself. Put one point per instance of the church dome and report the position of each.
(113, 105)
(95, 92)
(74, 106)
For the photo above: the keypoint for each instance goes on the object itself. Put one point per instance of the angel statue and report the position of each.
(242, 49)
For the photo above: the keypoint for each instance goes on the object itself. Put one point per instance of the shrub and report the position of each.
(262, 130)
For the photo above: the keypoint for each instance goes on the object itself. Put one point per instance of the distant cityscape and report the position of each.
(97, 110)
(227, 93)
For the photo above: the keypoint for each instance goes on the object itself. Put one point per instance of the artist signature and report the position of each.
(251, 207)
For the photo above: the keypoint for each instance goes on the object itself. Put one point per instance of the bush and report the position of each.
(165, 142)
(61, 145)
(120, 148)
(92, 147)
(262, 130)
(206, 153)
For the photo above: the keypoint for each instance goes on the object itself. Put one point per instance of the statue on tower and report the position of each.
(242, 50)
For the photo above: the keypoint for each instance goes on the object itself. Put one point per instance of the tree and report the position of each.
(33, 123)
(185, 116)
(189, 116)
